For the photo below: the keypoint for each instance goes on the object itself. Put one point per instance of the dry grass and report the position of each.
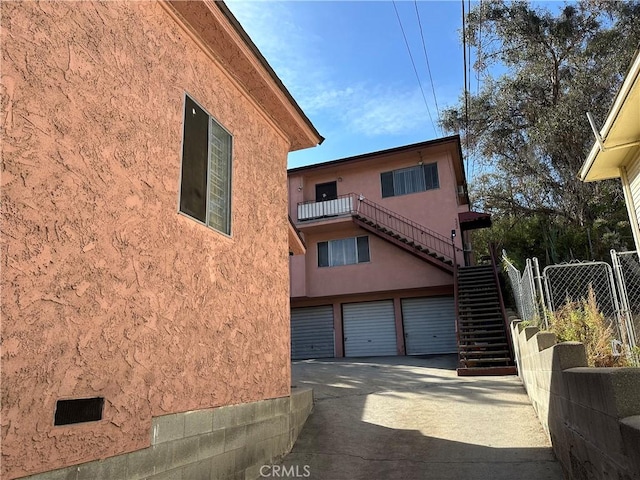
(582, 322)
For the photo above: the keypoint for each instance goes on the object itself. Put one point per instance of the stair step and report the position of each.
(477, 275)
(471, 338)
(489, 360)
(477, 268)
(476, 291)
(478, 306)
(489, 345)
(478, 314)
(486, 371)
(480, 345)
(484, 353)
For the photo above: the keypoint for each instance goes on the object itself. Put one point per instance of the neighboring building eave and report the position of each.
(474, 220)
(621, 128)
(215, 27)
(296, 242)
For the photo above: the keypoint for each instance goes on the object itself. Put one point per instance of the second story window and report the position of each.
(346, 251)
(409, 180)
(205, 185)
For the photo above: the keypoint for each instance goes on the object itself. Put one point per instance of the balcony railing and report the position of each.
(354, 204)
(343, 205)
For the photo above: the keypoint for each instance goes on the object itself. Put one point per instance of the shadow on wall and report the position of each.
(359, 446)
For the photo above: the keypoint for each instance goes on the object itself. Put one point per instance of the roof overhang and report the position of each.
(296, 243)
(620, 133)
(474, 220)
(219, 33)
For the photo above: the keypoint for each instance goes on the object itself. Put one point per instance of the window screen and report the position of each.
(205, 186)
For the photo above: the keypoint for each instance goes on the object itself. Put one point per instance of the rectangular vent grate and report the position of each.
(78, 410)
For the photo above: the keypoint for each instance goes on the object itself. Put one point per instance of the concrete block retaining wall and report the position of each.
(592, 415)
(230, 442)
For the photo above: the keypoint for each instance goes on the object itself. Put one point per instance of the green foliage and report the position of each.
(529, 125)
(582, 322)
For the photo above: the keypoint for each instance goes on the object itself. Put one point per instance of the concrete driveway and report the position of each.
(413, 418)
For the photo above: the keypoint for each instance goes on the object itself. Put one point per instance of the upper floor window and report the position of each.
(409, 180)
(346, 251)
(205, 184)
(326, 191)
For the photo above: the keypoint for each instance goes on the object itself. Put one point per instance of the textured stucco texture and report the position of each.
(107, 290)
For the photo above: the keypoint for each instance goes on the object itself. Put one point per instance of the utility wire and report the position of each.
(414, 66)
(466, 92)
(426, 57)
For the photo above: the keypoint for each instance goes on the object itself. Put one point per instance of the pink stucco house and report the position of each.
(145, 285)
(383, 231)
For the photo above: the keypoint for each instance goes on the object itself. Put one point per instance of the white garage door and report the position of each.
(369, 329)
(429, 325)
(312, 332)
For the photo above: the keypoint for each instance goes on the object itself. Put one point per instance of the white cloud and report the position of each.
(366, 108)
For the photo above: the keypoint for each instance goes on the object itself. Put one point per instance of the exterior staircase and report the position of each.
(484, 343)
(416, 239)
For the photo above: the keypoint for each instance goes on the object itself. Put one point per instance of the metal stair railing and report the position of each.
(493, 250)
(418, 234)
(355, 205)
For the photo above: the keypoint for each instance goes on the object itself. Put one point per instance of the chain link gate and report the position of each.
(617, 291)
(626, 267)
(573, 282)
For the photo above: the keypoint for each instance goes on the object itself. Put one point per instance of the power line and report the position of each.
(424, 48)
(414, 66)
(466, 92)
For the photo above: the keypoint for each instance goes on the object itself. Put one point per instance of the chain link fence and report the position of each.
(527, 289)
(626, 267)
(616, 291)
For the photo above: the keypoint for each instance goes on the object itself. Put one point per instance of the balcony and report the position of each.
(343, 205)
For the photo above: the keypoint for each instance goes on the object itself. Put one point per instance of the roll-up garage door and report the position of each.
(429, 325)
(369, 329)
(312, 332)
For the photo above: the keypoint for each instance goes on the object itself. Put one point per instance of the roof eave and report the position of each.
(218, 32)
(591, 169)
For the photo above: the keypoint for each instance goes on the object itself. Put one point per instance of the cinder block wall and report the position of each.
(592, 415)
(218, 443)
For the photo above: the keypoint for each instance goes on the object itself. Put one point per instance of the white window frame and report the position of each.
(330, 255)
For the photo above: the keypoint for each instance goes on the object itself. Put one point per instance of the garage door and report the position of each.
(312, 332)
(429, 325)
(369, 329)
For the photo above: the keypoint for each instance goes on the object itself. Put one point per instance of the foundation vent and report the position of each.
(78, 410)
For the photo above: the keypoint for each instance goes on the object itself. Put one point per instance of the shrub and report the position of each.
(582, 322)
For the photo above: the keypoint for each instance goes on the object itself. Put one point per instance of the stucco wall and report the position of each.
(106, 289)
(436, 209)
(389, 268)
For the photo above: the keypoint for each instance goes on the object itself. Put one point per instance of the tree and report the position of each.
(529, 125)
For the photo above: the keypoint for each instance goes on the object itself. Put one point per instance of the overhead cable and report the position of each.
(414, 67)
(426, 57)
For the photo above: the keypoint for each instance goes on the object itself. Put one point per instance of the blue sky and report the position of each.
(347, 65)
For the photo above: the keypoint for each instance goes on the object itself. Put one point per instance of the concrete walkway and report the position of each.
(412, 418)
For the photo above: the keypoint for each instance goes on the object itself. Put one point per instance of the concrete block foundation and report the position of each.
(230, 442)
(592, 415)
